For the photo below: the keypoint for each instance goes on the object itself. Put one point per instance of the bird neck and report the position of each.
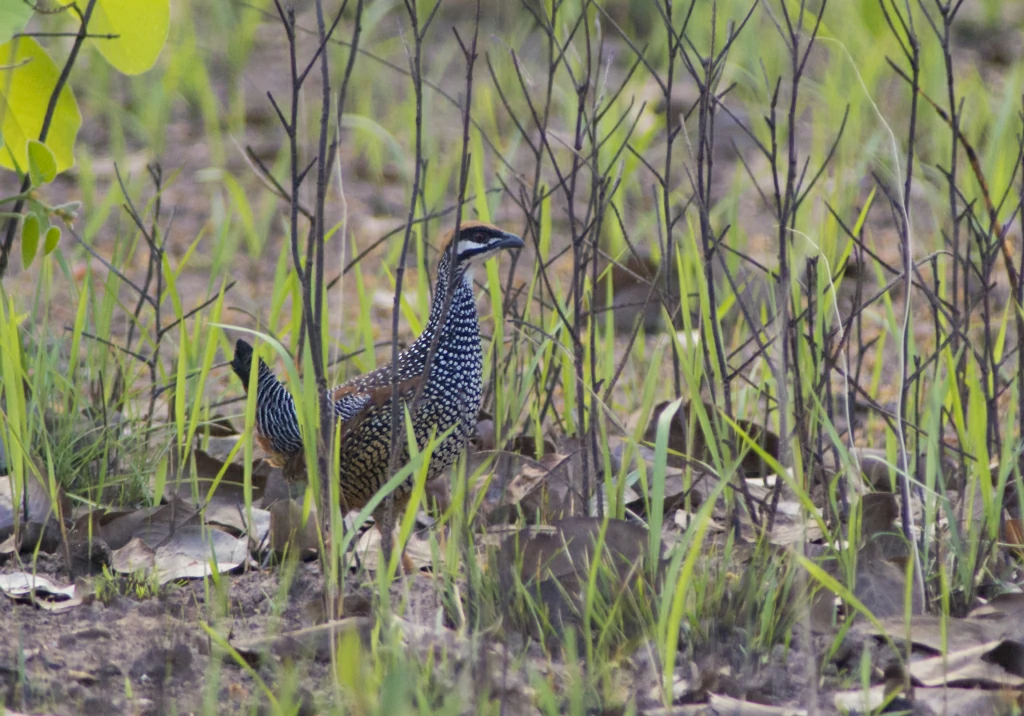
(460, 317)
(461, 286)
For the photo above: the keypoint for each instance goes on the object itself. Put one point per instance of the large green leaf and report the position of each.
(27, 79)
(14, 15)
(141, 28)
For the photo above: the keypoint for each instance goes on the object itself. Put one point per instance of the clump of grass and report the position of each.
(139, 586)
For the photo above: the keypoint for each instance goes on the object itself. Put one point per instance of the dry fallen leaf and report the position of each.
(860, 700)
(233, 518)
(723, 705)
(1007, 609)
(219, 426)
(191, 552)
(152, 525)
(977, 665)
(881, 585)
(417, 550)
(970, 701)
(289, 532)
(40, 591)
(183, 484)
(134, 556)
(932, 634)
(114, 527)
(543, 490)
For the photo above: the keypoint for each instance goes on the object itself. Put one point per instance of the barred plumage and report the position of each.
(450, 391)
(277, 425)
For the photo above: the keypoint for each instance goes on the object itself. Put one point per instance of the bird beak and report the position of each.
(509, 241)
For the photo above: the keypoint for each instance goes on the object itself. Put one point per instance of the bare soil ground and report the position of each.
(82, 660)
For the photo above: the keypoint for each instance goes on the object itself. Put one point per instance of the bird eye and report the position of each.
(480, 238)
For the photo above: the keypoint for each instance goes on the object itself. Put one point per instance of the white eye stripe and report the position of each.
(465, 245)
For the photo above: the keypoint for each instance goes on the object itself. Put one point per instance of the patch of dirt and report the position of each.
(150, 655)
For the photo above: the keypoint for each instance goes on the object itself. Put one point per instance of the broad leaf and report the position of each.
(27, 79)
(140, 29)
(14, 15)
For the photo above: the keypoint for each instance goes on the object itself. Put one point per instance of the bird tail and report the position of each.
(241, 363)
(277, 423)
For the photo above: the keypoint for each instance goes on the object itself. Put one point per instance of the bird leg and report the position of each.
(385, 521)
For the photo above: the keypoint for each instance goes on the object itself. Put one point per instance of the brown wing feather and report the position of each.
(376, 396)
(362, 383)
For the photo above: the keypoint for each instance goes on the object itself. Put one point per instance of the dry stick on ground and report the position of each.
(577, 236)
(606, 189)
(581, 231)
(155, 261)
(578, 226)
(585, 230)
(707, 80)
(469, 55)
(317, 234)
(332, 604)
(44, 130)
(996, 231)
(912, 53)
(415, 57)
(786, 193)
(310, 274)
(309, 324)
(313, 283)
(586, 251)
(152, 266)
(667, 87)
(155, 241)
(601, 181)
(1016, 510)
(533, 207)
(785, 188)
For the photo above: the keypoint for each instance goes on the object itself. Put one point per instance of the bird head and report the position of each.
(477, 241)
